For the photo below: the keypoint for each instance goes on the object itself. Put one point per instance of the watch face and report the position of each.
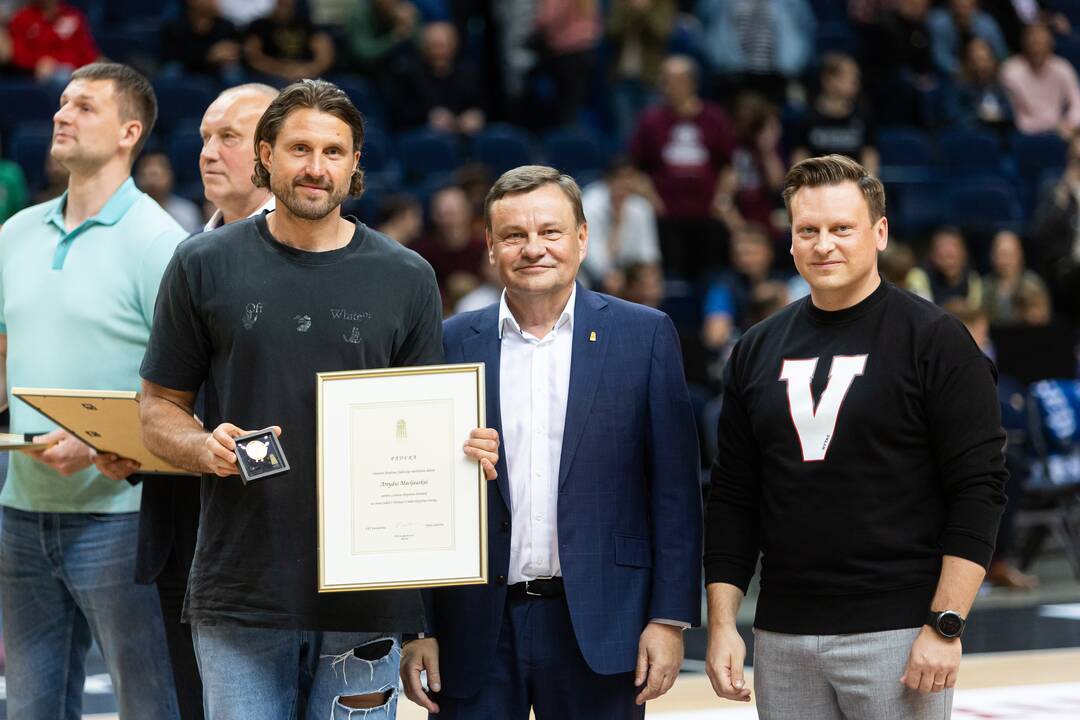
(950, 624)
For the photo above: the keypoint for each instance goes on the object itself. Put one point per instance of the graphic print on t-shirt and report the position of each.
(815, 427)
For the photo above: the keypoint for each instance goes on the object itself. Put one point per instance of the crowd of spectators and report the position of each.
(679, 118)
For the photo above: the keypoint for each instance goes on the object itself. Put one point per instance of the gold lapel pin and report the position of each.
(592, 336)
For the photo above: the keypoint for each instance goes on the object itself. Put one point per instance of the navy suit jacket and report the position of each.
(629, 497)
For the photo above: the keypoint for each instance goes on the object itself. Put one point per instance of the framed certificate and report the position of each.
(400, 504)
(106, 420)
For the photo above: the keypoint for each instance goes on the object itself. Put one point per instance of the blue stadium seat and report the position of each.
(1035, 154)
(907, 154)
(182, 99)
(145, 14)
(25, 102)
(984, 205)
(28, 146)
(138, 48)
(423, 153)
(377, 156)
(363, 96)
(502, 147)
(575, 151)
(837, 36)
(183, 148)
(969, 152)
(920, 206)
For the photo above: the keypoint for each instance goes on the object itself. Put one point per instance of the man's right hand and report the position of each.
(724, 660)
(66, 453)
(219, 455)
(417, 656)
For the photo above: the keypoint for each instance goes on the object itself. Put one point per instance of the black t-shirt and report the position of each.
(255, 320)
(845, 135)
(855, 449)
(284, 41)
(182, 44)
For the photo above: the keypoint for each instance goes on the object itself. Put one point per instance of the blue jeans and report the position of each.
(275, 674)
(67, 579)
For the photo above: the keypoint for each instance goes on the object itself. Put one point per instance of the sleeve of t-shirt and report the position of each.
(964, 419)
(423, 343)
(155, 259)
(179, 350)
(731, 518)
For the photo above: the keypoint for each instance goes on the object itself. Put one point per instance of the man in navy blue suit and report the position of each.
(595, 518)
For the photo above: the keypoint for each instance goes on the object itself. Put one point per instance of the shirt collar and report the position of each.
(506, 318)
(110, 214)
(218, 219)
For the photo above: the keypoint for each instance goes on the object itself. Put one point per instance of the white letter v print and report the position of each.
(816, 427)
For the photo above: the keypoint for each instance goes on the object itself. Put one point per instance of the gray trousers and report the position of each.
(840, 677)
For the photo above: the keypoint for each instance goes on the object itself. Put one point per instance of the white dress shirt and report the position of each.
(534, 382)
(217, 219)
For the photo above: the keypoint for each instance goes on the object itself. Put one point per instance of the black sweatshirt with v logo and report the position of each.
(856, 448)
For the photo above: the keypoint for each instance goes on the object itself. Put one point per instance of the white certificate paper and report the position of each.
(400, 504)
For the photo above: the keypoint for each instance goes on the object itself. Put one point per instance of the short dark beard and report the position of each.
(286, 194)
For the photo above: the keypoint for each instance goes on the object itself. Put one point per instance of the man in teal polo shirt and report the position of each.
(78, 280)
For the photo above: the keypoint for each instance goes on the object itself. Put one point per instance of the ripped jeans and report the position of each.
(275, 674)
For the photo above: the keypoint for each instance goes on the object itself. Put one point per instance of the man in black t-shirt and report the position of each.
(838, 122)
(285, 45)
(251, 312)
(860, 452)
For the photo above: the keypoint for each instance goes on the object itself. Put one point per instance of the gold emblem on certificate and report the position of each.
(259, 455)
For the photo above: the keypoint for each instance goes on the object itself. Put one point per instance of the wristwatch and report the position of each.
(949, 624)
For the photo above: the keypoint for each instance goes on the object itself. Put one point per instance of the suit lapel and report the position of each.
(591, 315)
(484, 345)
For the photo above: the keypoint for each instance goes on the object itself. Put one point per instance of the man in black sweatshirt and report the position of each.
(860, 452)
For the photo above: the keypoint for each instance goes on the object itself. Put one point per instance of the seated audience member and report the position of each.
(285, 45)
(56, 181)
(728, 300)
(201, 42)
(51, 39)
(952, 26)
(568, 32)
(1042, 87)
(622, 227)
(684, 144)
(644, 284)
(1002, 572)
(1008, 279)
(401, 218)
(976, 98)
(947, 273)
(1053, 236)
(1033, 306)
(380, 31)
(453, 248)
(757, 44)
(757, 166)
(898, 61)
(488, 292)
(242, 13)
(896, 262)
(154, 176)
(837, 122)
(639, 32)
(437, 89)
(13, 190)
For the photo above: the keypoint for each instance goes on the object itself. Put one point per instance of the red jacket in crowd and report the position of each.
(63, 35)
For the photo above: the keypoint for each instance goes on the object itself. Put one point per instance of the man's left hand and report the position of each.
(660, 656)
(934, 662)
(115, 467)
(483, 445)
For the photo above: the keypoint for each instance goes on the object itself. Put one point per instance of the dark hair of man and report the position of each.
(835, 170)
(135, 99)
(527, 178)
(317, 95)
